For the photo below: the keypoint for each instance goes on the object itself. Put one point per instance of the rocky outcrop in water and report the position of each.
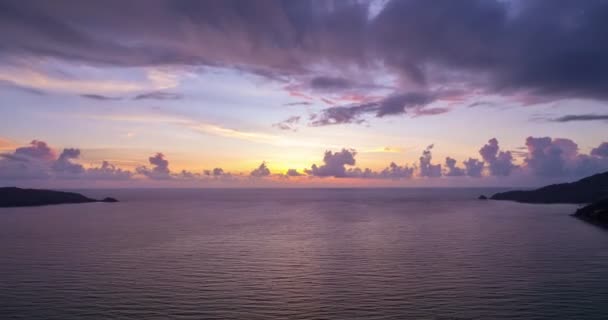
(596, 213)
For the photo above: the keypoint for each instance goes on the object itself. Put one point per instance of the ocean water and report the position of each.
(301, 254)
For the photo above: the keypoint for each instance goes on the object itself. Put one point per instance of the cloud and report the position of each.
(40, 82)
(185, 174)
(334, 164)
(500, 163)
(64, 164)
(340, 84)
(392, 105)
(601, 151)
(500, 47)
(451, 169)
(100, 97)
(582, 117)
(36, 150)
(216, 172)
(298, 103)
(293, 173)
(14, 166)
(261, 171)
(288, 124)
(158, 95)
(473, 167)
(330, 84)
(427, 169)
(395, 171)
(159, 170)
(559, 157)
(108, 171)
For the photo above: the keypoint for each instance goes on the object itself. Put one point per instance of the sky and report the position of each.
(158, 93)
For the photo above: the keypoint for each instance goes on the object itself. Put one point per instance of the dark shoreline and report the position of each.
(591, 191)
(11, 197)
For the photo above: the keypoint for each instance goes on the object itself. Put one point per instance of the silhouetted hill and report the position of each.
(587, 190)
(596, 213)
(16, 197)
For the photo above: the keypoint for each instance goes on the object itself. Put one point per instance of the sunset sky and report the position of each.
(302, 93)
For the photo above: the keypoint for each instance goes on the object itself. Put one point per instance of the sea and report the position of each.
(301, 254)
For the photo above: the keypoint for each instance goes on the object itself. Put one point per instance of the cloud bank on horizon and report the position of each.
(544, 157)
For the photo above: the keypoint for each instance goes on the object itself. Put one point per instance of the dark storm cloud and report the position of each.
(582, 117)
(546, 49)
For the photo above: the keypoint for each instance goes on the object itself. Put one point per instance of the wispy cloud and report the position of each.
(37, 80)
(100, 97)
(158, 95)
(581, 117)
(46, 82)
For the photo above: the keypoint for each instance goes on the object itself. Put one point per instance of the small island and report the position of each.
(17, 197)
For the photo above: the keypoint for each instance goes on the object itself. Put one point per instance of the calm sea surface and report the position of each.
(301, 254)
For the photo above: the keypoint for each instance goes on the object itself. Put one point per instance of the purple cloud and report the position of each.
(601, 151)
(64, 164)
(499, 47)
(334, 164)
(293, 173)
(473, 167)
(100, 97)
(36, 150)
(159, 170)
(288, 124)
(108, 171)
(548, 157)
(395, 171)
(392, 105)
(451, 169)
(261, 171)
(500, 163)
(427, 169)
(158, 95)
(581, 117)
